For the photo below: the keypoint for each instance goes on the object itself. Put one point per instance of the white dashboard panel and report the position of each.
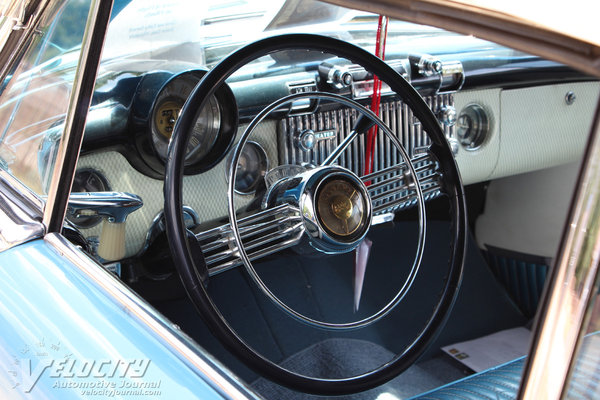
(478, 165)
(531, 129)
(206, 193)
(540, 130)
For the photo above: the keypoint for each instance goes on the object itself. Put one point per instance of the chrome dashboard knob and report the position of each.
(447, 115)
(306, 140)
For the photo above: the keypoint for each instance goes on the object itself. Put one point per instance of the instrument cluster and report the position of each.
(214, 129)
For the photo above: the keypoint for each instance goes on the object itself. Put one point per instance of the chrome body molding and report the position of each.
(95, 307)
(20, 213)
(571, 288)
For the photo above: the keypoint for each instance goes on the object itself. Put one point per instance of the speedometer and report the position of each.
(212, 132)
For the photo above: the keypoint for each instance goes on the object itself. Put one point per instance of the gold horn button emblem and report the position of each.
(340, 208)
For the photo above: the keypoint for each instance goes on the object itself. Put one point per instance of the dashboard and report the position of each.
(498, 120)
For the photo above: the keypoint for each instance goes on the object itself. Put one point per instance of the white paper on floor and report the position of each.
(492, 350)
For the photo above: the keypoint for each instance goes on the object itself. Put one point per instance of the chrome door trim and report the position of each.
(20, 216)
(34, 201)
(570, 286)
(79, 103)
(167, 333)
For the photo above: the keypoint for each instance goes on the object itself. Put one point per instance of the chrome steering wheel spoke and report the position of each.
(392, 188)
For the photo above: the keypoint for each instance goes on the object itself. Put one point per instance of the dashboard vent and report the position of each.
(398, 117)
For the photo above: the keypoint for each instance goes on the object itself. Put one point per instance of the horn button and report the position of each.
(341, 209)
(335, 207)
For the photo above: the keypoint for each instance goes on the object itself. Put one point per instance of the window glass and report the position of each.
(35, 96)
(584, 382)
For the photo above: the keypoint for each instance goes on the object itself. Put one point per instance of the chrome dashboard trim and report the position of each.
(570, 287)
(183, 347)
(282, 225)
(397, 116)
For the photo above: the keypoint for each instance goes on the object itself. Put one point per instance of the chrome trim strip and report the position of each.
(265, 232)
(34, 200)
(20, 220)
(395, 114)
(79, 104)
(164, 331)
(570, 287)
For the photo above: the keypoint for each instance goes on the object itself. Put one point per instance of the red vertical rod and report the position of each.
(376, 98)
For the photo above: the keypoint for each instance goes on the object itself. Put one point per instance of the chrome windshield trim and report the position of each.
(20, 217)
(79, 104)
(570, 287)
(181, 345)
(34, 201)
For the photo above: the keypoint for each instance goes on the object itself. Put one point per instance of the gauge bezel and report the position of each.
(228, 110)
(265, 165)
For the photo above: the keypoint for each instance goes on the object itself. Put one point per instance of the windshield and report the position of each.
(204, 32)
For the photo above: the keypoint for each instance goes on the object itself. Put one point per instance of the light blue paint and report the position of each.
(50, 309)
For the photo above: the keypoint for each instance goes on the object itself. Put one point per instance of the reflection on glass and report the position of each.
(35, 96)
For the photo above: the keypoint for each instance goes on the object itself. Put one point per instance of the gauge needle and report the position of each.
(361, 257)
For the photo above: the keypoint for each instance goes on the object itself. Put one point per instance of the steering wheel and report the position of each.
(300, 195)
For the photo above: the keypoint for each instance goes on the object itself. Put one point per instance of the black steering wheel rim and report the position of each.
(182, 254)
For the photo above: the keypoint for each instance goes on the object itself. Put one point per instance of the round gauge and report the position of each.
(212, 132)
(340, 207)
(252, 167)
(88, 180)
(473, 127)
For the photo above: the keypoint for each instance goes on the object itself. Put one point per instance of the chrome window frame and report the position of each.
(568, 294)
(557, 331)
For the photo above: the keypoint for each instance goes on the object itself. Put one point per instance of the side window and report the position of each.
(584, 382)
(35, 95)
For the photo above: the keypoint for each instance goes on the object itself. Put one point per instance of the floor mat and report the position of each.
(338, 358)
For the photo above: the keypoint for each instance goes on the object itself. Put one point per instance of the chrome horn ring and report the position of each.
(386, 309)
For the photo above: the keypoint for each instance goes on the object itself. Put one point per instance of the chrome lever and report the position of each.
(113, 207)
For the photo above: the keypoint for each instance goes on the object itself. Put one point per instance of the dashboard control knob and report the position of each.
(454, 145)
(306, 140)
(427, 65)
(447, 115)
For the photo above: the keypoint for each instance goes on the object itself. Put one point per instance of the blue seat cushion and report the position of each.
(501, 382)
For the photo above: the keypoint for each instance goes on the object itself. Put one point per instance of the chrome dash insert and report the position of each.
(399, 117)
(263, 233)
